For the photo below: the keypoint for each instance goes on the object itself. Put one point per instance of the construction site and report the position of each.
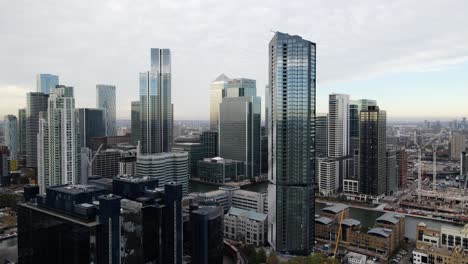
(439, 189)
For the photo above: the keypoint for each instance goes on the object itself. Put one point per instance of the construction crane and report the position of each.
(420, 162)
(90, 162)
(338, 237)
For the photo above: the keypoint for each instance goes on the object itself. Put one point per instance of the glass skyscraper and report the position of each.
(105, 99)
(35, 103)
(135, 122)
(92, 124)
(239, 132)
(156, 109)
(12, 135)
(45, 83)
(22, 131)
(291, 144)
(216, 96)
(372, 159)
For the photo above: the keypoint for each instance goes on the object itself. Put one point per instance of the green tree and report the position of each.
(261, 256)
(272, 259)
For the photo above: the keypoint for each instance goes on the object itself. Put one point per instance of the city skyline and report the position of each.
(416, 61)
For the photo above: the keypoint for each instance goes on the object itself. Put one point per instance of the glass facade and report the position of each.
(135, 122)
(92, 124)
(22, 131)
(239, 132)
(11, 135)
(322, 136)
(156, 109)
(105, 99)
(291, 144)
(35, 103)
(45, 83)
(209, 139)
(372, 158)
(216, 96)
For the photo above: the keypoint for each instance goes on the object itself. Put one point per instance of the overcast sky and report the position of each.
(411, 56)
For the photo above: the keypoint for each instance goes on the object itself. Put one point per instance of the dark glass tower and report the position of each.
(291, 144)
(136, 126)
(209, 139)
(207, 235)
(321, 144)
(156, 109)
(92, 124)
(35, 103)
(372, 158)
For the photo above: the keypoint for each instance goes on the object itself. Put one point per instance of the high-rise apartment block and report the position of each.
(58, 147)
(156, 109)
(372, 159)
(457, 146)
(45, 83)
(291, 144)
(105, 99)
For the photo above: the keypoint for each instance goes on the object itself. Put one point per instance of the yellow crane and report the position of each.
(338, 237)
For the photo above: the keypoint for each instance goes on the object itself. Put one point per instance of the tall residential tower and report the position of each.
(156, 109)
(291, 149)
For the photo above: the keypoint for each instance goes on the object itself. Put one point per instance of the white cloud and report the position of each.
(89, 42)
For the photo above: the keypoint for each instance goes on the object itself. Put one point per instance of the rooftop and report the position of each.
(350, 222)
(389, 217)
(249, 214)
(323, 220)
(335, 208)
(380, 231)
(75, 189)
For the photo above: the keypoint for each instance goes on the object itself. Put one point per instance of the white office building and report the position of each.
(246, 226)
(328, 176)
(166, 167)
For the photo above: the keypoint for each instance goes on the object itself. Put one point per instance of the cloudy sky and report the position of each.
(411, 56)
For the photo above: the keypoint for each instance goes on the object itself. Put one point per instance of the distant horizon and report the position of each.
(413, 64)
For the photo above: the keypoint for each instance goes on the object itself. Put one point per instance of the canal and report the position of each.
(366, 217)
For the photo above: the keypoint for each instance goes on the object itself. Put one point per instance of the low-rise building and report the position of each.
(356, 258)
(219, 170)
(246, 226)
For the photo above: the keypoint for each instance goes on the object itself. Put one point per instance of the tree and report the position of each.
(261, 256)
(272, 259)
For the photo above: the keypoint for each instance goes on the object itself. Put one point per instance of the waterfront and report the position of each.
(367, 217)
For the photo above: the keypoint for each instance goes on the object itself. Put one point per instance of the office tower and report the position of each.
(457, 146)
(209, 139)
(172, 223)
(372, 160)
(338, 125)
(35, 103)
(45, 83)
(156, 109)
(216, 96)
(166, 167)
(127, 164)
(4, 166)
(64, 226)
(291, 135)
(106, 163)
(240, 87)
(105, 99)
(135, 122)
(264, 150)
(195, 153)
(58, 147)
(239, 132)
(267, 107)
(321, 136)
(11, 135)
(92, 124)
(328, 175)
(355, 108)
(207, 234)
(391, 169)
(22, 132)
